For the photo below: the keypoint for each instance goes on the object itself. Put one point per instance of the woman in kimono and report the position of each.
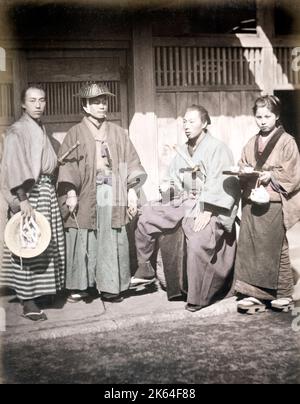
(27, 183)
(263, 270)
(97, 184)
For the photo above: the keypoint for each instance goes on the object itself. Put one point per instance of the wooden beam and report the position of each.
(143, 68)
(19, 80)
(217, 41)
(265, 31)
(143, 125)
(225, 87)
(265, 17)
(30, 44)
(226, 41)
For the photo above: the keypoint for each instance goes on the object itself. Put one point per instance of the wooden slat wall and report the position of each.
(166, 110)
(6, 95)
(222, 79)
(6, 101)
(62, 102)
(231, 113)
(208, 66)
(284, 74)
(6, 118)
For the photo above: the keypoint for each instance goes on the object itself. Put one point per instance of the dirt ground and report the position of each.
(232, 348)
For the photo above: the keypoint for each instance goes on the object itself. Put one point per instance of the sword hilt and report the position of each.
(66, 154)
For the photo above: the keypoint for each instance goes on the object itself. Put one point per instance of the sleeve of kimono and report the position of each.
(246, 183)
(136, 174)
(21, 194)
(243, 160)
(16, 168)
(69, 174)
(247, 155)
(220, 190)
(2, 140)
(287, 175)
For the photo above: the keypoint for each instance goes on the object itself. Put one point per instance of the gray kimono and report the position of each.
(28, 153)
(211, 251)
(97, 243)
(29, 161)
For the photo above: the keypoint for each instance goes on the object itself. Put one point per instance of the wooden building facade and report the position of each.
(157, 59)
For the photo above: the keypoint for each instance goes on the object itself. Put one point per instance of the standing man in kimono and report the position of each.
(28, 165)
(98, 183)
(206, 202)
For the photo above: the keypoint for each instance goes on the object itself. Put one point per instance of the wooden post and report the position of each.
(19, 80)
(143, 125)
(265, 30)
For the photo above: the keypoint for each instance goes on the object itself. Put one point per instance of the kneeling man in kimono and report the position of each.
(205, 202)
(97, 185)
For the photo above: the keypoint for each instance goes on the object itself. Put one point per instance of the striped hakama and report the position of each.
(42, 275)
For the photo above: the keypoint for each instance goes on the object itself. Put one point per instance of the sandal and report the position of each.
(77, 297)
(251, 305)
(35, 316)
(193, 307)
(284, 304)
(136, 282)
(115, 299)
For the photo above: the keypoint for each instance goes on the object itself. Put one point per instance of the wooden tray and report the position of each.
(242, 174)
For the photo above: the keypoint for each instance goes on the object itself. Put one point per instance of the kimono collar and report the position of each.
(191, 149)
(97, 123)
(262, 158)
(268, 135)
(28, 118)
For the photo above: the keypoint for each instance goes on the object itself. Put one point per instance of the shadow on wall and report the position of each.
(226, 81)
(293, 236)
(3, 215)
(3, 208)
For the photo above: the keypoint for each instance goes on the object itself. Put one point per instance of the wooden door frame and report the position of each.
(21, 76)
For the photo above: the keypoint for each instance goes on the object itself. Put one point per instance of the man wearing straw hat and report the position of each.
(97, 186)
(28, 164)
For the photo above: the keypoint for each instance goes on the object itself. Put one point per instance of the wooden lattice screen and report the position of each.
(284, 72)
(6, 100)
(62, 102)
(208, 66)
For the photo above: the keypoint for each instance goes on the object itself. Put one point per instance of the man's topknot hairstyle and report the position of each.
(205, 118)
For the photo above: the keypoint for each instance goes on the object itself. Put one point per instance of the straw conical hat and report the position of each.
(92, 90)
(13, 240)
